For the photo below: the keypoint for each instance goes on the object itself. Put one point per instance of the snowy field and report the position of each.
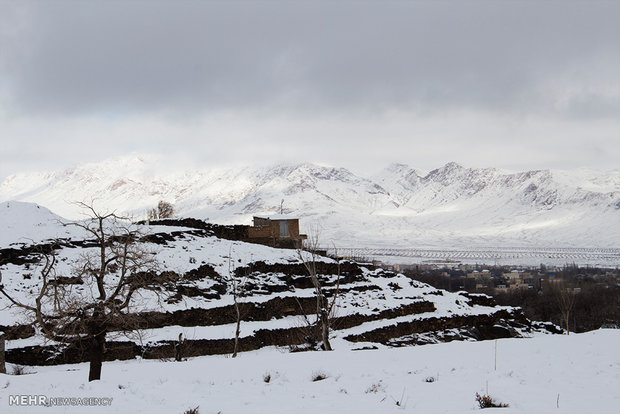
(493, 256)
(579, 373)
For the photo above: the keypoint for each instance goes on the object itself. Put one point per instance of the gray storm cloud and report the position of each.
(77, 65)
(134, 56)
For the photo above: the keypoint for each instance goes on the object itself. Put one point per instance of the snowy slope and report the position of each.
(373, 306)
(28, 223)
(565, 374)
(451, 206)
(374, 291)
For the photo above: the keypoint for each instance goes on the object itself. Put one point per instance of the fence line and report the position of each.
(606, 254)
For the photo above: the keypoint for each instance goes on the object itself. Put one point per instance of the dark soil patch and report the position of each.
(234, 232)
(487, 326)
(348, 270)
(17, 331)
(203, 272)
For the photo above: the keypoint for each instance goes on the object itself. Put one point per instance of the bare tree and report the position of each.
(565, 298)
(115, 269)
(164, 210)
(324, 308)
(237, 285)
(152, 214)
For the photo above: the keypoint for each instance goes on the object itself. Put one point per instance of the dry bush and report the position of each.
(18, 370)
(486, 401)
(319, 376)
(375, 388)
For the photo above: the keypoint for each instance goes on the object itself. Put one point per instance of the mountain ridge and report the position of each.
(451, 205)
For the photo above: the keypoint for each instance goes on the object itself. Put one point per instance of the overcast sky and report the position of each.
(360, 84)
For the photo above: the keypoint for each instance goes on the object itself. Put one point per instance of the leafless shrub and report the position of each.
(319, 376)
(192, 410)
(237, 287)
(20, 370)
(486, 401)
(375, 388)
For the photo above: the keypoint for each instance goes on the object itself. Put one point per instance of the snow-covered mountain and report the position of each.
(451, 206)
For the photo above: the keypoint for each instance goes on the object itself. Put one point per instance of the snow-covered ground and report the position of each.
(29, 223)
(579, 373)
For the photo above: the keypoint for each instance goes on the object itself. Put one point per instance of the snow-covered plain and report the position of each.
(579, 373)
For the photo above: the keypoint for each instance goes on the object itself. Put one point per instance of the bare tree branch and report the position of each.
(118, 270)
(324, 308)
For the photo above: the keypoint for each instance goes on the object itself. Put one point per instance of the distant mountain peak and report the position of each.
(396, 205)
(450, 167)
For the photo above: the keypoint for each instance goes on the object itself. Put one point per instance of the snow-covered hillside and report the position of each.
(28, 223)
(451, 206)
(374, 307)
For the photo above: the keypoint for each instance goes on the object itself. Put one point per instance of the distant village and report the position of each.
(504, 279)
